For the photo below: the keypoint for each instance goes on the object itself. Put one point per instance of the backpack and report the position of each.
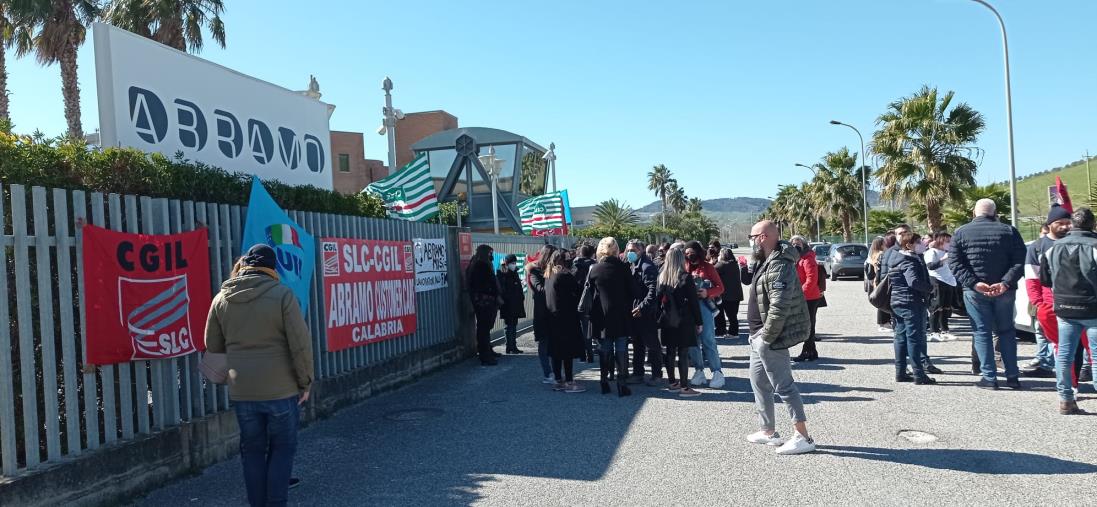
(670, 315)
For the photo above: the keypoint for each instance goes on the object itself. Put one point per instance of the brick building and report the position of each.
(351, 170)
(417, 126)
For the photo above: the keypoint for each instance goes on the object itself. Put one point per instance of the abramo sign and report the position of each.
(369, 290)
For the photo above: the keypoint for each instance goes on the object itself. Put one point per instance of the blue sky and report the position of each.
(729, 95)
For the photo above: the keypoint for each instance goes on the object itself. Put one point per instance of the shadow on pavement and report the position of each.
(972, 461)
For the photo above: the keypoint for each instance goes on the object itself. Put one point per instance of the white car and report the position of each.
(1022, 321)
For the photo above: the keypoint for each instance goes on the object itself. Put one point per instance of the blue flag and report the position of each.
(296, 249)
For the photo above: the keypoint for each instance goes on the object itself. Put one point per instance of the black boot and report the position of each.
(604, 371)
(622, 366)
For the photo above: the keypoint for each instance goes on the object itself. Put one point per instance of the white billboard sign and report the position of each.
(431, 264)
(155, 98)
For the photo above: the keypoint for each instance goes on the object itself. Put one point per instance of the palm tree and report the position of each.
(694, 205)
(613, 215)
(676, 197)
(927, 150)
(12, 34)
(174, 23)
(60, 28)
(659, 178)
(839, 188)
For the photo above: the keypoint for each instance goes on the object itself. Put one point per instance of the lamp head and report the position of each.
(835, 122)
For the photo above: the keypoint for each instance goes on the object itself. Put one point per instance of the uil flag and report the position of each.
(545, 212)
(409, 193)
(295, 248)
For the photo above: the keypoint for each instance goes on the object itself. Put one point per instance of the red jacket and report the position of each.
(808, 270)
(708, 272)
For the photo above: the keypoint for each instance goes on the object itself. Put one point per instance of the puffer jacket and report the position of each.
(1069, 267)
(909, 278)
(780, 299)
(986, 250)
(257, 322)
(808, 270)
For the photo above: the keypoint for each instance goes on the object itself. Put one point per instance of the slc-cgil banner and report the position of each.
(369, 290)
(431, 264)
(146, 296)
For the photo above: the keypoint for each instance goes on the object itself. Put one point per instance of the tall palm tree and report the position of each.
(60, 28)
(174, 23)
(839, 188)
(694, 205)
(928, 150)
(614, 215)
(676, 197)
(12, 34)
(659, 178)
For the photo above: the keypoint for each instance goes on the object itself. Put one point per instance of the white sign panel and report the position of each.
(431, 264)
(157, 99)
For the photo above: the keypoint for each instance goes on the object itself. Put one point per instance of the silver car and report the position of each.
(846, 259)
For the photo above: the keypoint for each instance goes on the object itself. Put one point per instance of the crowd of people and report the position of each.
(647, 313)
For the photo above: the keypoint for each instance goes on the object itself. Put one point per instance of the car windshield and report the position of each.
(852, 250)
(822, 250)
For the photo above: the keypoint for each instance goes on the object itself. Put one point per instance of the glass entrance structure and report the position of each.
(456, 170)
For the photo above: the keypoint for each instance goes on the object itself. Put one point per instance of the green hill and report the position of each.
(1032, 196)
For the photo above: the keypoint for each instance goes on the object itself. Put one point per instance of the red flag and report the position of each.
(1063, 195)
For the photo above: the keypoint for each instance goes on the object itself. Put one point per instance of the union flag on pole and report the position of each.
(545, 213)
(409, 193)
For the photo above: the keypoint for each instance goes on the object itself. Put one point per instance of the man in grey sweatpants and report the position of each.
(778, 317)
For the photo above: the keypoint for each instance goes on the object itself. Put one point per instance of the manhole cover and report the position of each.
(918, 437)
(413, 414)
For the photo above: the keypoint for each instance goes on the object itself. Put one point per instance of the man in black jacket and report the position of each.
(645, 339)
(988, 259)
(582, 268)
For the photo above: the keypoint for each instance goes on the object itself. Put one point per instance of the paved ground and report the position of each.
(497, 436)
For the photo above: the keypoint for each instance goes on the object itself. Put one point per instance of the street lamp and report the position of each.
(818, 227)
(864, 181)
(1009, 116)
(388, 128)
(493, 166)
(550, 157)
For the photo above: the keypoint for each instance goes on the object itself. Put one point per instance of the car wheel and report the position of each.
(834, 276)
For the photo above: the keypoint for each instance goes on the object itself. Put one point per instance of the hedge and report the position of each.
(67, 164)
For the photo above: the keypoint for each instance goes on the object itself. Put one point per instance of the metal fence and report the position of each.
(52, 407)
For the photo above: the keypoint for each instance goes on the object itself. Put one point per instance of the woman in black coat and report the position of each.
(541, 318)
(612, 282)
(514, 300)
(678, 296)
(484, 293)
(910, 289)
(566, 342)
(727, 318)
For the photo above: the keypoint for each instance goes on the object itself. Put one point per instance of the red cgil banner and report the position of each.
(369, 290)
(145, 296)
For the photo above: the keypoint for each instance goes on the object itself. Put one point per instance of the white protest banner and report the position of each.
(431, 264)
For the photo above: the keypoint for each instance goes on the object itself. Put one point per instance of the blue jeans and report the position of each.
(608, 346)
(910, 339)
(1070, 337)
(543, 355)
(268, 441)
(707, 342)
(1045, 351)
(991, 315)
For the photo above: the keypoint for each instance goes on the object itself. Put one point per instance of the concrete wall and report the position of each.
(121, 472)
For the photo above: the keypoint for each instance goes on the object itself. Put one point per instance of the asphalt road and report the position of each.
(497, 436)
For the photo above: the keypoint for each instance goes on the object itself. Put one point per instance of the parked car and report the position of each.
(1022, 321)
(822, 252)
(846, 259)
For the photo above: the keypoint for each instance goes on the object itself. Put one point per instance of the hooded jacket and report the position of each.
(780, 298)
(808, 270)
(256, 321)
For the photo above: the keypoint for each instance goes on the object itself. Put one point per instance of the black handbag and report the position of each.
(880, 297)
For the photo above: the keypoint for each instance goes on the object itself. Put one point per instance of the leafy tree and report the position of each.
(928, 150)
(694, 205)
(174, 23)
(676, 197)
(60, 28)
(534, 169)
(839, 192)
(614, 214)
(659, 178)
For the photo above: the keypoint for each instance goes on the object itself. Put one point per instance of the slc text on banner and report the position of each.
(431, 264)
(369, 289)
(294, 248)
(146, 296)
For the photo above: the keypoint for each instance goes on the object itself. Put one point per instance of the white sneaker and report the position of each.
(760, 437)
(883, 329)
(549, 380)
(798, 445)
(717, 380)
(934, 337)
(949, 336)
(699, 378)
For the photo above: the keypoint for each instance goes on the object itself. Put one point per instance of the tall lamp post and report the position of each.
(389, 128)
(550, 157)
(493, 165)
(1009, 115)
(864, 179)
(818, 226)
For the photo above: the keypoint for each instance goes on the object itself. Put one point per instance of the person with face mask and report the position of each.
(910, 289)
(706, 274)
(645, 336)
(807, 269)
(514, 300)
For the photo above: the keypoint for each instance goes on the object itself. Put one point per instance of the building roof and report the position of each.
(482, 135)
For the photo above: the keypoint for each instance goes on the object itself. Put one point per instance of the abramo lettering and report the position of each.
(374, 308)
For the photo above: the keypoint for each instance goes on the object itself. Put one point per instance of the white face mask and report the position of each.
(512, 266)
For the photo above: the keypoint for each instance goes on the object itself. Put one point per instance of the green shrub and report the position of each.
(60, 163)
